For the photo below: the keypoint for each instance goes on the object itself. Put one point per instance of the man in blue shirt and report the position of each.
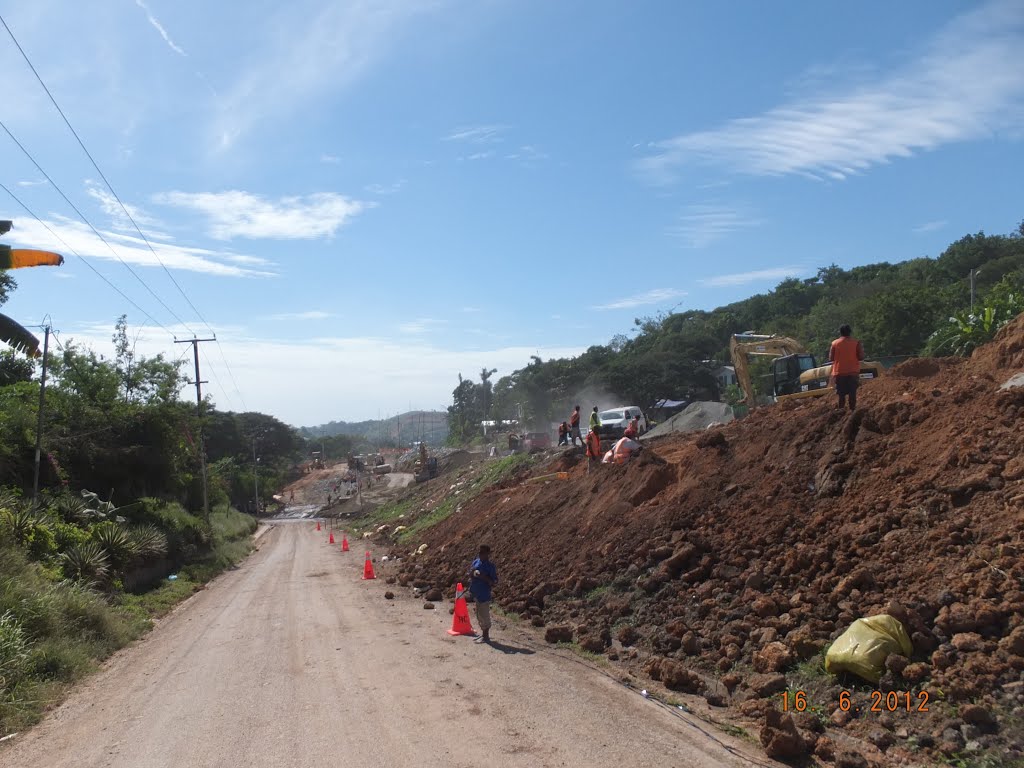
(483, 576)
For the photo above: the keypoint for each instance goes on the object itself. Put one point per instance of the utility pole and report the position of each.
(39, 421)
(199, 410)
(974, 273)
(255, 477)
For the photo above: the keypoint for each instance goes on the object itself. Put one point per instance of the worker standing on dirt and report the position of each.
(595, 420)
(563, 433)
(845, 355)
(574, 427)
(593, 448)
(483, 576)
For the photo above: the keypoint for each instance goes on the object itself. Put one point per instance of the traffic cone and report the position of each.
(368, 568)
(344, 543)
(318, 525)
(460, 619)
(331, 539)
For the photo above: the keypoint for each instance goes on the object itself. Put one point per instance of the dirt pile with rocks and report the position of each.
(693, 418)
(724, 563)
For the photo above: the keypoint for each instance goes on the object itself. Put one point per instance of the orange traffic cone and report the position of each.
(331, 539)
(368, 568)
(318, 525)
(460, 619)
(344, 543)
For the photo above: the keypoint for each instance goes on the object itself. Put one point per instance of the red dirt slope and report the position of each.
(724, 559)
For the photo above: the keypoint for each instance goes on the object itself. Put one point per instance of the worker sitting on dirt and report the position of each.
(563, 433)
(845, 355)
(595, 420)
(574, 427)
(593, 448)
(633, 430)
(623, 451)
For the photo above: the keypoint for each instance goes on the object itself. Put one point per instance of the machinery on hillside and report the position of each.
(425, 467)
(795, 372)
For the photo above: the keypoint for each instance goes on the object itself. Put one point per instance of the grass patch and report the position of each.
(579, 650)
(494, 473)
(597, 593)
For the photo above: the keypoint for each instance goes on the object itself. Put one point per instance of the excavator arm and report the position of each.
(741, 345)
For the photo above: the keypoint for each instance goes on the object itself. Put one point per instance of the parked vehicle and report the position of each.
(615, 420)
(536, 441)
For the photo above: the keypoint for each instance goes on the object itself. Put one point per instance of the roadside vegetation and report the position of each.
(115, 536)
(80, 580)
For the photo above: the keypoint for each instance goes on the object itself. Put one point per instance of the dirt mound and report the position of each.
(783, 528)
(694, 417)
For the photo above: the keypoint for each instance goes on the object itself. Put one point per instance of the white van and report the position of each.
(615, 420)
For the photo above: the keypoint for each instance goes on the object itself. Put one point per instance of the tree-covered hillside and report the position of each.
(920, 306)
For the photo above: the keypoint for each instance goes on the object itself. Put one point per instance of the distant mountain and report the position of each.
(403, 429)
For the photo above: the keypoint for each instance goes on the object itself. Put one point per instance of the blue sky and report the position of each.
(364, 199)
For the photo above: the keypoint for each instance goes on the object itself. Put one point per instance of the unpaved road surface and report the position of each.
(292, 660)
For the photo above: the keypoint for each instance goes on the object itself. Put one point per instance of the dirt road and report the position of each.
(292, 660)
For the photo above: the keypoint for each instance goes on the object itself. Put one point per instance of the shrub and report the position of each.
(116, 542)
(86, 562)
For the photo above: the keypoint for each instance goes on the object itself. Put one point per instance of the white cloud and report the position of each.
(301, 57)
(242, 214)
(382, 190)
(419, 325)
(130, 249)
(478, 134)
(931, 226)
(330, 159)
(480, 155)
(471, 309)
(701, 225)
(36, 183)
(313, 314)
(388, 374)
(110, 206)
(527, 154)
(754, 276)
(656, 296)
(160, 28)
(968, 84)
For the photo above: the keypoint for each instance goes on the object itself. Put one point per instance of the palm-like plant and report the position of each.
(21, 520)
(86, 562)
(116, 542)
(150, 541)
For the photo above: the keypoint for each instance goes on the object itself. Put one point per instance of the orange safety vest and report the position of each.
(846, 354)
(593, 445)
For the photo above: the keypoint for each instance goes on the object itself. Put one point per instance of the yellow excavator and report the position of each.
(795, 372)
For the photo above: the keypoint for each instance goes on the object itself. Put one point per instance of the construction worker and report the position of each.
(845, 355)
(563, 433)
(595, 420)
(633, 430)
(574, 427)
(593, 448)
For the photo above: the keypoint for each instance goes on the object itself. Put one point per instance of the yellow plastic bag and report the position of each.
(862, 649)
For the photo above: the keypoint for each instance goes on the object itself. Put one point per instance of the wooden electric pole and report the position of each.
(199, 409)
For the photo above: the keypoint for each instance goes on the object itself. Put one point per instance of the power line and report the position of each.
(103, 175)
(216, 378)
(94, 230)
(84, 260)
(125, 209)
(232, 375)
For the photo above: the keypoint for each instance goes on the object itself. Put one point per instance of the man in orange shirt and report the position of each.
(593, 448)
(845, 355)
